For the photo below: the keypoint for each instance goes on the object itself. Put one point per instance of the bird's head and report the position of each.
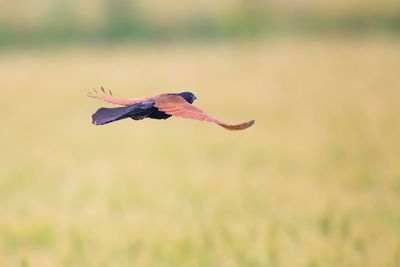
(188, 96)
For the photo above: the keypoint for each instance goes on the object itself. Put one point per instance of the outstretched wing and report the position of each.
(177, 106)
(108, 97)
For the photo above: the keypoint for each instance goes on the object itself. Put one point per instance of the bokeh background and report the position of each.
(316, 182)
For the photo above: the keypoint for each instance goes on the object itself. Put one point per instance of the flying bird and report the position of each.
(157, 107)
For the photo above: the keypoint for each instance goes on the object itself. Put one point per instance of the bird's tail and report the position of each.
(107, 115)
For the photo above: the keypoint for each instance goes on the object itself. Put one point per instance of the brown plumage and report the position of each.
(158, 107)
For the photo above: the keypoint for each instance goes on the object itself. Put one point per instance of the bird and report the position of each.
(159, 107)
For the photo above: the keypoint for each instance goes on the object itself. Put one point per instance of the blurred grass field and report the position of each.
(48, 23)
(316, 182)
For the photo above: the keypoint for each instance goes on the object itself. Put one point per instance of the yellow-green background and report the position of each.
(315, 182)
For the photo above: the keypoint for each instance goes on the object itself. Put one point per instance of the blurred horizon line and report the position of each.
(122, 26)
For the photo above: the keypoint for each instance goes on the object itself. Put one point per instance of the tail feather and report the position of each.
(107, 115)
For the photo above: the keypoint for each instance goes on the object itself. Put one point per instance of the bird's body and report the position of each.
(158, 107)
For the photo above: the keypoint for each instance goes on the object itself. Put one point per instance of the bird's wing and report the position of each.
(177, 106)
(108, 97)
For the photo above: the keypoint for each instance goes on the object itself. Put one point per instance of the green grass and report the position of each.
(63, 24)
(314, 183)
